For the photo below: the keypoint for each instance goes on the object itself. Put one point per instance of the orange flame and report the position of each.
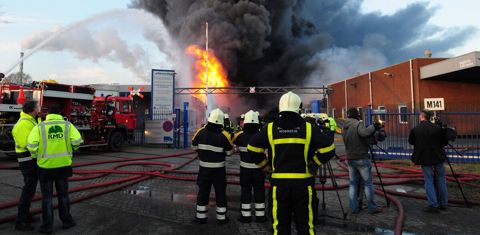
(217, 76)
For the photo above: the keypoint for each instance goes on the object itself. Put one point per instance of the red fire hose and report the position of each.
(172, 172)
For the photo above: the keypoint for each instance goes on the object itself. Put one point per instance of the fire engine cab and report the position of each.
(102, 121)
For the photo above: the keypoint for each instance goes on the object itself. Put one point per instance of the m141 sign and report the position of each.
(434, 104)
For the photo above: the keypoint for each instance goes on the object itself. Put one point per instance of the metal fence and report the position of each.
(398, 126)
(160, 114)
(138, 137)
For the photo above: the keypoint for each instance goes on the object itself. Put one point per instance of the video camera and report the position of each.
(449, 132)
(379, 135)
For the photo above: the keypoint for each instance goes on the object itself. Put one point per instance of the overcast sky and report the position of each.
(20, 19)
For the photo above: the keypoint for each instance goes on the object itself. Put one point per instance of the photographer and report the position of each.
(428, 141)
(355, 136)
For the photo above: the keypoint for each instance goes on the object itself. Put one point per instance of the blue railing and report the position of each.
(398, 126)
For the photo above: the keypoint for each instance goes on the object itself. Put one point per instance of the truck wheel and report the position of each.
(116, 141)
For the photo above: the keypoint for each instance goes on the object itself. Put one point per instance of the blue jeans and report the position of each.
(356, 169)
(61, 185)
(434, 199)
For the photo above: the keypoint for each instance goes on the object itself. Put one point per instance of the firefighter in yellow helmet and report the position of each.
(52, 143)
(20, 133)
(251, 175)
(213, 144)
(292, 144)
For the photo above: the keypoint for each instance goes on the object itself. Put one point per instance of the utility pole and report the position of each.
(206, 74)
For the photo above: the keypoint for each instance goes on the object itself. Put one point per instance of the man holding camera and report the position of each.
(428, 141)
(355, 136)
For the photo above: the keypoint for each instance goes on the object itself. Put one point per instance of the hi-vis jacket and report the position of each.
(53, 141)
(20, 133)
(212, 145)
(292, 144)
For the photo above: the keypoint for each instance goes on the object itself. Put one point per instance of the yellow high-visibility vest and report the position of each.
(21, 130)
(52, 142)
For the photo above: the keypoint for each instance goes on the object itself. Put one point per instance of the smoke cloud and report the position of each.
(293, 42)
(90, 43)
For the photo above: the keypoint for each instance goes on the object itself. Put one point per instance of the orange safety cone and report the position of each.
(21, 97)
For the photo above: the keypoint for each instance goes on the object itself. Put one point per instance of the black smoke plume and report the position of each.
(293, 42)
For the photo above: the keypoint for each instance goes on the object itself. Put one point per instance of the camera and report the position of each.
(379, 135)
(449, 132)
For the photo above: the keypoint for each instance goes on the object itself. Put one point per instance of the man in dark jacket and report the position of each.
(359, 166)
(428, 141)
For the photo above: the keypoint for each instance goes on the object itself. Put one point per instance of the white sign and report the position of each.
(434, 104)
(163, 83)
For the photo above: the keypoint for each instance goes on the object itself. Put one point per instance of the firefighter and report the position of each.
(52, 143)
(212, 144)
(228, 125)
(251, 176)
(292, 144)
(240, 123)
(28, 167)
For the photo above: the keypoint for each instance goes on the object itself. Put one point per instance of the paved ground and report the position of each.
(163, 206)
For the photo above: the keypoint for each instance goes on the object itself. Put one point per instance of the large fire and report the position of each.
(217, 76)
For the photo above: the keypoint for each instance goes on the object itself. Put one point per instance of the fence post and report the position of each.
(368, 117)
(185, 124)
(177, 128)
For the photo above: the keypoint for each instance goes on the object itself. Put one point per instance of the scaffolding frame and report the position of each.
(323, 90)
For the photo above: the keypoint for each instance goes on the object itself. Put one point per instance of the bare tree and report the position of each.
(17, 78)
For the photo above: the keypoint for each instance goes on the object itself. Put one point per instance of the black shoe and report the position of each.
(69, 225)
(31, 219)
(199, 221)
(244, 219)
(223, 221)
(443, 207)
(45, 230)
(431, 209)
(24, 227)
(260, 219)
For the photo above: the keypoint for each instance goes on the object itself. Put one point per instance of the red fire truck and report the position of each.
(103, 121)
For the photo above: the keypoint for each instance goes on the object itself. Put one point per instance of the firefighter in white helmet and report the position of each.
(251, 175)
(292, 144)
(213, 144)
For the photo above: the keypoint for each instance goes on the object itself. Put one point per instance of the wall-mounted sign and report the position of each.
(434, 104)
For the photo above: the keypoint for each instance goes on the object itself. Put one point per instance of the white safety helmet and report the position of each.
(290, 102)
(251, 117)
(242, 116)
(226, 116)
(216, 117)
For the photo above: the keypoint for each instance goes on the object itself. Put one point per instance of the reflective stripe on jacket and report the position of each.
(53, 141)
(21, 130)
(293, 145)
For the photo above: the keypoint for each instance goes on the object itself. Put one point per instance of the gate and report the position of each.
(398, 126)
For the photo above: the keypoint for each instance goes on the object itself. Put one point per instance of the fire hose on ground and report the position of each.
(133, 177)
